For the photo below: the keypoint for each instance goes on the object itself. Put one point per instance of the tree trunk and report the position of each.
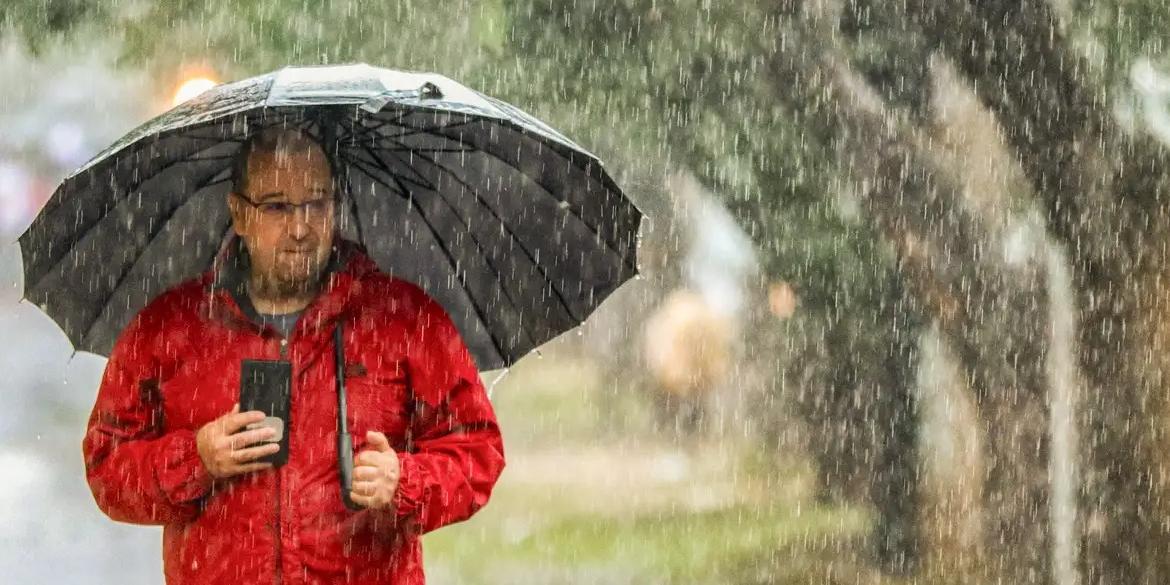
(994, 316)
(1104, 194)
(894, 488)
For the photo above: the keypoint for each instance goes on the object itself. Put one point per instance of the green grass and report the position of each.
(675, 547)
(588, 498)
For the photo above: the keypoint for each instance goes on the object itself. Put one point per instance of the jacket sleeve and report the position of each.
(137, 472)
(457, 451)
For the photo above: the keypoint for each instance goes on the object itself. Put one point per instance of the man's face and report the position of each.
(289, 246)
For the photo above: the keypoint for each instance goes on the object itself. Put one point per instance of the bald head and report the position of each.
(279, 144)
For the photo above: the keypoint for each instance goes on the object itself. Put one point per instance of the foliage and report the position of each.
(41, 21)
(692, 76)
(1115, 33)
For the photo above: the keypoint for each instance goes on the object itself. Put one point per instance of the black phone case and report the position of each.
(266, 385)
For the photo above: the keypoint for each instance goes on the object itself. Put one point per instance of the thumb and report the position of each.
(378, 442)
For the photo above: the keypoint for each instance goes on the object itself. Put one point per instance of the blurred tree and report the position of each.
(774, 119)
(41, 21)
(1119, 32)
(1104, 194)
(991, 313)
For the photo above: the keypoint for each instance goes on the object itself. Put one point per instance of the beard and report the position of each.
(291, 277)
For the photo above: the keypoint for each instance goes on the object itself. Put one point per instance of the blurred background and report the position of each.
(902, 314)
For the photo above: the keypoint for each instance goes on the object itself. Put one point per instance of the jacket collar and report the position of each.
(226, 283)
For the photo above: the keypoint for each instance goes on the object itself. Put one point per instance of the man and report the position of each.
(166, 443)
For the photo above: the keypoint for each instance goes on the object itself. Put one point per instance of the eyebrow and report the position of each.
(273, 194)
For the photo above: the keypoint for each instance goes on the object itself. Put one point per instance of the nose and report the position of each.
(300, 227)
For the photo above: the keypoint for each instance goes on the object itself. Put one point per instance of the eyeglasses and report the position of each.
(276, 210)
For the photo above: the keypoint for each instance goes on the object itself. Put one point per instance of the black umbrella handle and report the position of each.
(344, 442)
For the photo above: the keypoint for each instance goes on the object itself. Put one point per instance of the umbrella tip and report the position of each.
(430, 91)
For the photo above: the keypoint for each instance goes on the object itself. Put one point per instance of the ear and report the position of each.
(236, 210)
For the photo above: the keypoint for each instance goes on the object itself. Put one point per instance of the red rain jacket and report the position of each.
(409, 375)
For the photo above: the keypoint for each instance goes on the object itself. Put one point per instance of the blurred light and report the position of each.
(65, 144)
(782, 300)
(16, 205)
(191, 88)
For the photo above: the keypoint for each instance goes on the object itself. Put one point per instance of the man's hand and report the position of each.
(375, 473)
(226, 452)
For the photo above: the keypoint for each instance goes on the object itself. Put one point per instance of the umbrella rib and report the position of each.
(357, 131)
(422, 149)
(375, 131)
(353, 206)
(511, 234)
(429, 129)
(218, 157)
(118, 199)
(364, 131)
(137, 146)
(570, 209)
(483, 251)
(161, 227)
(134, 147)
(421, 181)
(510, 124)
(353, 136)
(450, 259)
(544, 140)
(544, 129)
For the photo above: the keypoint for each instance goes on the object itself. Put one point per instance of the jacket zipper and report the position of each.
(279, 472)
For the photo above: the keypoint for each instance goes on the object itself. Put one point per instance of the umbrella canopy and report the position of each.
(518, 232)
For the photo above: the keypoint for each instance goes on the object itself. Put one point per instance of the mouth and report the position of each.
(300, 258)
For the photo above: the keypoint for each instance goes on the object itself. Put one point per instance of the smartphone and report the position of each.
(266, 385)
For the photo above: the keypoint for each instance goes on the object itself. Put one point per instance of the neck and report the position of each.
(269, 299)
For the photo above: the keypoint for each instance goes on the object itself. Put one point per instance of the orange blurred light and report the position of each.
(782, 300)
(191, 88)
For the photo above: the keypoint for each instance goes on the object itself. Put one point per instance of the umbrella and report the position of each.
(517, 231)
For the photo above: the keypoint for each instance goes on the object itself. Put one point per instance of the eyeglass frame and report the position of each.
(293, 207)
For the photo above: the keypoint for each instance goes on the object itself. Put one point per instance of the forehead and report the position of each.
(291, 171)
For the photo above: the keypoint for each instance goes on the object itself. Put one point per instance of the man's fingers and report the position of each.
(239, 420)
(378, 441)
(245, 455)
(369, 458)
(365, 487)
(364, 501)
(246, 438)
(366, 473)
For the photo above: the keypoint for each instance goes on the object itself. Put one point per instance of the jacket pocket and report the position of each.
(377, 397)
